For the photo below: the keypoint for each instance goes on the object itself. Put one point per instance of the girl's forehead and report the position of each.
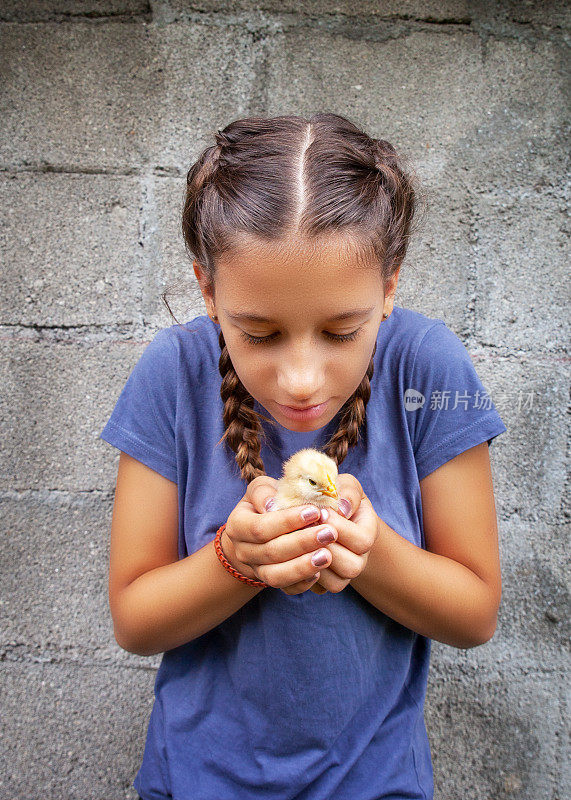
(332, 265)
(296, 278)
(327, 289)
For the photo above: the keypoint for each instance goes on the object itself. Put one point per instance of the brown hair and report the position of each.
(248, 185)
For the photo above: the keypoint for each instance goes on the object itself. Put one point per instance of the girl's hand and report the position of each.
(275, 548)
(357, 533)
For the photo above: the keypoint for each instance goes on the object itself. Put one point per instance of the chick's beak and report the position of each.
(331, 490)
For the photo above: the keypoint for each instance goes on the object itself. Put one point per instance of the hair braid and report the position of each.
(243, 429)
(347, 433)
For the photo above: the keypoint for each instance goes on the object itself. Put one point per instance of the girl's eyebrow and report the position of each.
(357, 312)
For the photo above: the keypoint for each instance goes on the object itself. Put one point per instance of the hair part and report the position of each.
(287, 176)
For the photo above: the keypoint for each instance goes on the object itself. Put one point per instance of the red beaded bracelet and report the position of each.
(228, 566)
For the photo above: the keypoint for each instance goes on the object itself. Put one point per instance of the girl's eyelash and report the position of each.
(336, 337)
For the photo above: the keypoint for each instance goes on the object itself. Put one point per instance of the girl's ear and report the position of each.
(390, 293)
(205, 287)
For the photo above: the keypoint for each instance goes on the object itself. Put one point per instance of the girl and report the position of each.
(298, 228)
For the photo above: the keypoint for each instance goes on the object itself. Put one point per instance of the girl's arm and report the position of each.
(451, 591)
(157, 601)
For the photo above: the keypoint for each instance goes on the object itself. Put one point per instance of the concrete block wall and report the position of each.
(104, 106)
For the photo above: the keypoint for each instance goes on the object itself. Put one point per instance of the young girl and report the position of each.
(298, 228)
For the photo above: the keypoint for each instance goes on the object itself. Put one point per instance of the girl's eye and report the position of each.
(336, 337)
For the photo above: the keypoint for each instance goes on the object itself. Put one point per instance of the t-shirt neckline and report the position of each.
(290, 441)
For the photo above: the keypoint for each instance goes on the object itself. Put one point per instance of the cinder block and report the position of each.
(528, 461)
(500, 14)
(376, 78)
(437, 277)
(73, 731)
(56, 10)
(383, 9)
(519, 141)
(497, 735)
(522, 263)
(209, 72)
(534, 613)
(55, 402)
(54, 578)
(72, 249)
(168, 267)
(75, 94)
(119, 97)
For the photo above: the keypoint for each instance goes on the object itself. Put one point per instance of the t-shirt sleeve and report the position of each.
(142, 423)
(447, 405)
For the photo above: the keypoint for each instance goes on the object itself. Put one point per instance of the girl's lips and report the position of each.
(304, 413)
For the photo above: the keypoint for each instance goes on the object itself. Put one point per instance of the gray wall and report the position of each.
(105, 103)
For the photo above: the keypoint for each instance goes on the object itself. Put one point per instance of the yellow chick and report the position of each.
(308, 477)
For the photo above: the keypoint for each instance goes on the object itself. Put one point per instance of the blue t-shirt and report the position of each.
(302, 696)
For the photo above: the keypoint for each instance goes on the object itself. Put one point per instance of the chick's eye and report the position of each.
(312, 482)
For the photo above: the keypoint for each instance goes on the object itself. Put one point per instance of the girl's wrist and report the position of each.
(228, 549)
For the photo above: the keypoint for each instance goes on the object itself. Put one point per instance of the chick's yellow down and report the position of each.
(308, 477)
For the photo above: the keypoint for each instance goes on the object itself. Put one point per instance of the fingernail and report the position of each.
(319, 559)
(309, 513)
(324, 515)
(325, 536)
(270, 504)
(344, 507)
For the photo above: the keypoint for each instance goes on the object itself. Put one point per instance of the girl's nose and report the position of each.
(300, 376)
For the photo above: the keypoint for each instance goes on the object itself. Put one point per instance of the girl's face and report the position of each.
(277, 307)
